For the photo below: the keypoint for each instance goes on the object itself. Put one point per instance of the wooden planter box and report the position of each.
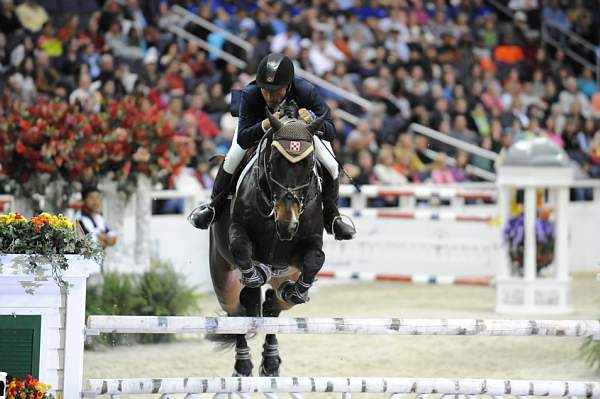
(43, 332)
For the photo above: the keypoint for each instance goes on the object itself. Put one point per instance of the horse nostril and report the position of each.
(293, 226)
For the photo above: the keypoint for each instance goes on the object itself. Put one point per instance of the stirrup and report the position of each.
(342, 218)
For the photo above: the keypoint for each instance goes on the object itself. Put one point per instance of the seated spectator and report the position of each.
(587, 84)
(571, 95)
(9, 22)
(594, 155)
(207, 128)
(68, 30)
(32, 16)
(385, 171)
(461, 131)
(405, 150)
(48, 41)
(90, 218)
(365, 163)
(460, 170)
(440, 173)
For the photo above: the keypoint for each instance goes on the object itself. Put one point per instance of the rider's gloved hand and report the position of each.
(266, 125)
(306, 115)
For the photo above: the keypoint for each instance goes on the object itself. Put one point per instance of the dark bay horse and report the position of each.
(273, 234)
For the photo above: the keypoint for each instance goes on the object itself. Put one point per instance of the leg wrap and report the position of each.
(242, 354)
(257, 275)
(294, 293)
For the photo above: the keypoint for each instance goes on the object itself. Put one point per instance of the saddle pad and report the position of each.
(246, 170)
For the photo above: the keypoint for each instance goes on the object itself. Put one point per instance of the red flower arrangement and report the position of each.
(53, 141)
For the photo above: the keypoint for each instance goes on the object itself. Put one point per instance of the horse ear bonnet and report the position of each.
(293, 141)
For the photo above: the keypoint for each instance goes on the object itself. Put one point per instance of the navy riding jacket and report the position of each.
(252, 110)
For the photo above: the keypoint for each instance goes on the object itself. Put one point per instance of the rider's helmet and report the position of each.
(274, 72)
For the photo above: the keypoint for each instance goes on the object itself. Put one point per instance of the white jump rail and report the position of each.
(392, 386)
(389, 326)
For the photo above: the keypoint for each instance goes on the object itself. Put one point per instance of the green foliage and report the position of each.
(590, 350)
(159, 291)
(45, 239)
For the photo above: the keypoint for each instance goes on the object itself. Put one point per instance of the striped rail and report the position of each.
(399, 278)
(420, 192)
(383, 213)
(347, 386)
(272, 325)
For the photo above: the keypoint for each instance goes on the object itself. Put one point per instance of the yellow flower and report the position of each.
(13, 217)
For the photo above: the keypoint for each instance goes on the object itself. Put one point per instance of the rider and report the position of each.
(275, 83)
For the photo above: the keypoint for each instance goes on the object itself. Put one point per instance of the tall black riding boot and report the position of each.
(203, 216)
(331, 215)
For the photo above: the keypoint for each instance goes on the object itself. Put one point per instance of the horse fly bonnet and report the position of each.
(294, 141)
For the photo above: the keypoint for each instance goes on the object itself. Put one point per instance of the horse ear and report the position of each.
(275, 123)
(315, 125)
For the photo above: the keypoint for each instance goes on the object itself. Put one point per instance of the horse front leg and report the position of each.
(250, 299)
(272, 307)
(296, 292)
(254, 273)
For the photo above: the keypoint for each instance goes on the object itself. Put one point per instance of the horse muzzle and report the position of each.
(287, 219)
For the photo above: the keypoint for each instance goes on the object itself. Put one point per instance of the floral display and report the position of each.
(54, 142)
(45, 239)
(514, 235)
(30, 388)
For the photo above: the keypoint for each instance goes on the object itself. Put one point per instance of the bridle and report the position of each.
(297, 193)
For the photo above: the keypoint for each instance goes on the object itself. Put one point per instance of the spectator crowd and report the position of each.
(457, 66)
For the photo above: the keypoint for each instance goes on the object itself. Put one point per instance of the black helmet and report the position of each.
(274, 72)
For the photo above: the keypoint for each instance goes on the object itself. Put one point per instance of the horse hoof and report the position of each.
(270, 367)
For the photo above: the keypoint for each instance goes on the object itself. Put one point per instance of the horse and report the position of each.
(272, 234)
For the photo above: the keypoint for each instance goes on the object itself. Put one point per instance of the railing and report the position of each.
(246, 45)
(549, 27)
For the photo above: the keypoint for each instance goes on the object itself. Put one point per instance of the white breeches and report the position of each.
(323, 151)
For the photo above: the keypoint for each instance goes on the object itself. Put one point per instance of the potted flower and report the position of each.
(514, 236)
(30, 388)
(44, 265)
(44, 241)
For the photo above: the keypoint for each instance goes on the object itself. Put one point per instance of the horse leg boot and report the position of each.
(243, 361)
(334, 224)
(295, 293)
(254, 273)
(203, 216)
(270, 355)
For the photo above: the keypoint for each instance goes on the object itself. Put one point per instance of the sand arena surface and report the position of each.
(547, 358)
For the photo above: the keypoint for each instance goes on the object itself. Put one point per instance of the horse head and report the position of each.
(290, 173)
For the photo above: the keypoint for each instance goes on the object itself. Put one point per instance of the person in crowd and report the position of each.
(90, 218)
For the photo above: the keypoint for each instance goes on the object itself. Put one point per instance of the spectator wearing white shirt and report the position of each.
(286, 40)
(90, 218)
(323, 55)
(396, 43)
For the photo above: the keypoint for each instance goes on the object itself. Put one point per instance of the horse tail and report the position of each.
(250, 305)
(224, 342)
